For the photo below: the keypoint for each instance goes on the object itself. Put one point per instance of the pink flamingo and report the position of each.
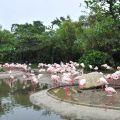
(51, 70)
(55, 79)
(82, 83)
(96, 68)
(67, 90)
(104, 65)
(118, 67)
(110, 90)
(83, 66)
(34, 82)
(77, 77)
(114, 77)
(108, 77)
(66, 80)
(91, 67)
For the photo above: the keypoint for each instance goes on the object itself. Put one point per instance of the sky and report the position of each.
(27, 11)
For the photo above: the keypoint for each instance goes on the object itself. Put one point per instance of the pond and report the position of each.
(16, 106)
(94, 97)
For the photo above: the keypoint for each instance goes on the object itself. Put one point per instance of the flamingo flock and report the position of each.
(63, 74)
(70, 74)
(28, 75)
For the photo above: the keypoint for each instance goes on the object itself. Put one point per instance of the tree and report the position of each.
(104, 26)
(7, 41)
(28, 34)
(66, 35)
(59, 21)
(107, 7)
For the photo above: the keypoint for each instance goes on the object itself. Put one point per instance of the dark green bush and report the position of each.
(96, 58)
(26, 56)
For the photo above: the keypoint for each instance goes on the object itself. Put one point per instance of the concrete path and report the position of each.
(72, 110)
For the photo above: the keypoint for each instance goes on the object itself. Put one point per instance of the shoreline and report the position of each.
(73, 110)
(15, 73)
(69, 109)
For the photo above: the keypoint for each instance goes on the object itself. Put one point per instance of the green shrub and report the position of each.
(96, 58)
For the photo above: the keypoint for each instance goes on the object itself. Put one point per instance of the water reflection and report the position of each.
(16, 106)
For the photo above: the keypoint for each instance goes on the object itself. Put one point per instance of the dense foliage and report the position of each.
(96, 58)
(65, 39)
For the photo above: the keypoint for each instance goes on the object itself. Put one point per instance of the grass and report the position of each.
(87, 97)
(60, 92)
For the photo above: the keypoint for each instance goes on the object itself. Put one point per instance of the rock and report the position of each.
(92, 79)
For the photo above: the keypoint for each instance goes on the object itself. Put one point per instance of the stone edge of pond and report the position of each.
(75, 111)
(73, 102)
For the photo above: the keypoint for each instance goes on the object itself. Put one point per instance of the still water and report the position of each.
(16, 106)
